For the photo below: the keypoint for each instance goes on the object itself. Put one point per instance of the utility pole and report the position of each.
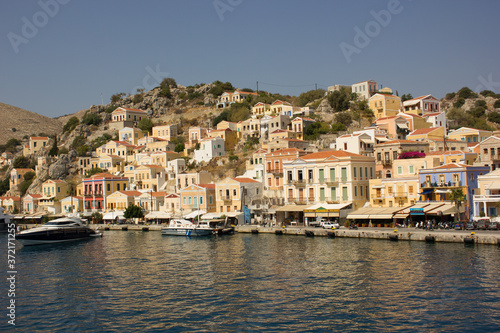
(315, 86)
(257, 86)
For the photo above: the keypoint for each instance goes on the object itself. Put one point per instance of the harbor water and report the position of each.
(134, 281)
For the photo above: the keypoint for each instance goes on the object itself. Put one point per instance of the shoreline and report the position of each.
(486, 237)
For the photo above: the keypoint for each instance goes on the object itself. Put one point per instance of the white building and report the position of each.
(365, 89)
(209, 148)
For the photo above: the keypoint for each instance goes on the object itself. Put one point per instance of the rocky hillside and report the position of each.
(17, 122)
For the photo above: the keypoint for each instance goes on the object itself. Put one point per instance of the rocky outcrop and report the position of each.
(324, 106)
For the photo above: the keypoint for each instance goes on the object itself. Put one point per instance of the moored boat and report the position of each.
(181, 227)
(4, 221)
(63, 229)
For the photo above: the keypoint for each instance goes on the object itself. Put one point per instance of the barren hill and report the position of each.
(17, 122)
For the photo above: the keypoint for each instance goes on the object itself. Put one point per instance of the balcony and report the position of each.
(387, 162)
(276, 172)
(227, 200)
(377, 196)
(93, 194)
(487, 198)
(441, 184)
(298, 201)
(331, 182)
(298, 183)
(400, 195)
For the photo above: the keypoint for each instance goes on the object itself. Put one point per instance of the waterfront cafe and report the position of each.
(302, 215)
(436, 211)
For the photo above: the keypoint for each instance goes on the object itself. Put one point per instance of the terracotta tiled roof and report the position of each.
(131, 193)
(39, 138)
(207, 186)
(398, 141)
(328, 153)
(421, 131)
(245, 180)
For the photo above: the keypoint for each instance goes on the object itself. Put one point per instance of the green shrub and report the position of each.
(117, 97)
(71, 124)
(481, 103)
(459, 103)
(450, 96)
(496, 105)
(137, 98)
(466, 92)
(233, 158)
(494, 117)
(91, 119)
(145, 124)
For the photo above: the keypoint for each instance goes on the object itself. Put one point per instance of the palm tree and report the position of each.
(457, 197)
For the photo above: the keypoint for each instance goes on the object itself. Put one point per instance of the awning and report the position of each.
(378, 186)
(427, 191)
(442, 191)
(368, 141)
(211, 216)
(113, 216)
(195, 213)
(400, 216)
(382, 139)
(405, 126)
(158, 215)
(381, 216)
(291, 208)
(358, 217)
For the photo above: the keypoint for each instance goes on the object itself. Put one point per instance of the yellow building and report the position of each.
(233, 193)
(470, 135)
(167, 132)
(261, 109)
(121, 200)
(198, 197)
(230, 137)
(149, 177)
(384, 103)
(35, 144)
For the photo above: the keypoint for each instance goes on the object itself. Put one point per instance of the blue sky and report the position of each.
(82, 49)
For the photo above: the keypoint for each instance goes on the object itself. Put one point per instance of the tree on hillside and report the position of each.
(91, 118)
(340, 100)
(4, 185)
(466, 92)
(21, 162)
(168, 82)
(93, 171)
(117, 97)
(54, 150)
(133, 211)
(309, 96)
(145, 125)
(71, 124)
(344, 118)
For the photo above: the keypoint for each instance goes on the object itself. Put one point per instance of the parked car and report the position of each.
(330, 225)
(483, 224)
(471, 226)
(494, 226)
(315, 224)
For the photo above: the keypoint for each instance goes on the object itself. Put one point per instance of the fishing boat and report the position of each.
(181, 227)
(63, 229)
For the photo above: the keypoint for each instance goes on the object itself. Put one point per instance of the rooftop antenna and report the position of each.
(102, 101)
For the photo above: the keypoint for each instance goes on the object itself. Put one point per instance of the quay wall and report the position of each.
(447, 236)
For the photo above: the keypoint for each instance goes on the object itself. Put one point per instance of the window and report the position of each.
(201, 200)
(400, 170)
(190, 200)
(410, 189)
(234, 192)
(183, 200)
(361, 190)
(411, 169)
(355, 191)
(355, 173)
(210, 200)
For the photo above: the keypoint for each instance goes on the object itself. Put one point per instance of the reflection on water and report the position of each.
(135, 281)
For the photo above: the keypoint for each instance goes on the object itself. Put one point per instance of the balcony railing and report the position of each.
(488, 198)
(387, 162)
(441, 184)
(276, 172)
(298, 183)
(93, 194)
(226, 199)
(400, 195)
(377, 196)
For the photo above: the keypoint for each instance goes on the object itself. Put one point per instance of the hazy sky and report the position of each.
(59, 56)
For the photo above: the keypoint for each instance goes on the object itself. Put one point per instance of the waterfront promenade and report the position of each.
(491, 237)
(488, 237)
